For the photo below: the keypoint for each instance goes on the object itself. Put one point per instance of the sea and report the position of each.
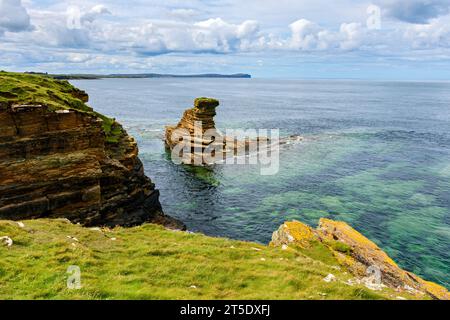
(374, 154)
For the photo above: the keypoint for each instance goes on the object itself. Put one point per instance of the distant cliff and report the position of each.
(143, 76)
(59, 158)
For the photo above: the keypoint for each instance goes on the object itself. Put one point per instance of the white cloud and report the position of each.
(73, 28)
(116, 35)
(183, 13)
(159, 37)
(309, 36)
(305, 35)
(13, 16)
(429, 36)
(352, 35)
(94, 13)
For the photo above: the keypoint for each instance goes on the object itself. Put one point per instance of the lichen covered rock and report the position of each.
(358, 254)
(293, 233)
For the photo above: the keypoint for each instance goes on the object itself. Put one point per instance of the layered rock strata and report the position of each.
(363, 258)
(59, 164)
(205, 144)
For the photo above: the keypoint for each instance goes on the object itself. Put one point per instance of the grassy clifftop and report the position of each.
(33, 89)
(150, 262)
(21, 88)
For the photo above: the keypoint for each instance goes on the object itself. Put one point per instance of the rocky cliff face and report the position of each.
(361, 257)
(58, 158)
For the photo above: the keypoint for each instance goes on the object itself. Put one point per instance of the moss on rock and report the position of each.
(206, 103)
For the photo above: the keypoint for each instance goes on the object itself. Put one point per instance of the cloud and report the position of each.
(309, 36)
(94, 13)
(13, 16)
(118, 37)
(306, 35)
(352, 36)
(415, 11)
(72, 28)
(218, 35)
(207, 36)
(429, 36)
(183, 13)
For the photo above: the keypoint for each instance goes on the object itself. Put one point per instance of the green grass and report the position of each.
(150, 262)
(206, 103)
(21, 88)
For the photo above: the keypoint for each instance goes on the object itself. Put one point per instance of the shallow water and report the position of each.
(376, 155)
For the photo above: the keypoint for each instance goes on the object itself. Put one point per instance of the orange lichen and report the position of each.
(435, 290)
(357, 254)
(301, 233)
(351, 237)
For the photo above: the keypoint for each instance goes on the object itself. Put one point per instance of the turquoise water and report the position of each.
(376, 155)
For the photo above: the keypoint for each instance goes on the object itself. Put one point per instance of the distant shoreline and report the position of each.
(141, 76)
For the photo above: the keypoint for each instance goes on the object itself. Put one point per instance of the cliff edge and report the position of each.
(61, 159)
(156, 263)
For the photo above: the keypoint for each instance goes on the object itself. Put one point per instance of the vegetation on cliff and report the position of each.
(33, 89)
(150, 262)
(59, 160)
(206, 103)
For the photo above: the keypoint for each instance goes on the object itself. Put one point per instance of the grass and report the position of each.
(150, 262)
(21, 88)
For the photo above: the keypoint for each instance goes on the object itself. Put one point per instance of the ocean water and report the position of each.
(375, 154)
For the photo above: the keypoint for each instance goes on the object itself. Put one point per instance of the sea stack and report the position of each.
(198, 123)
(195, 139)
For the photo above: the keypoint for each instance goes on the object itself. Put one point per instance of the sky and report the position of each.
(294, 39)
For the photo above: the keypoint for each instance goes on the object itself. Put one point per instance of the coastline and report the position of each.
(122, 153)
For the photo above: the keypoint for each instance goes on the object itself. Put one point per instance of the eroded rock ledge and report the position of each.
(360, 256)
(57, 162)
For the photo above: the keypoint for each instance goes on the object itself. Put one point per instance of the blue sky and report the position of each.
(376, 39)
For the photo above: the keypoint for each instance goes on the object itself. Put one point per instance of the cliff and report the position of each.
(59, 158)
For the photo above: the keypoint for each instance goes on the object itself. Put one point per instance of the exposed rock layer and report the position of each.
(192, 127)
(357, 253)
(205, 144)
(57, 163)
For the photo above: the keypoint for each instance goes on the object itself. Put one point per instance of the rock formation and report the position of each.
(58, 158)
(196, 122)
(358, 254)
(203, 137)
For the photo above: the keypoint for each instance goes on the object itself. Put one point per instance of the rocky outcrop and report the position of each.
(358, 254)
(57, 162)
(194, 124)
(205, 144)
